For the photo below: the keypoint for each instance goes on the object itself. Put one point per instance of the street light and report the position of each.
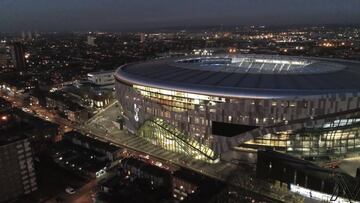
(4, 118)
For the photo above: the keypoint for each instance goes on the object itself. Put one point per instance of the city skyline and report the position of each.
(109, 15)
(247, 101)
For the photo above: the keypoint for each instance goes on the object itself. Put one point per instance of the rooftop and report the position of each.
(101, 72)
(92, 142)
(65, 99)
(153, 170)
(12, 134)
(256, 76)
(255, 64)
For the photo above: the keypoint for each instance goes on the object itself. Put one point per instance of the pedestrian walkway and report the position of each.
(225, 171)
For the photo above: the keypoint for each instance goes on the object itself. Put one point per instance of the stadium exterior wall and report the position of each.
(318, 125)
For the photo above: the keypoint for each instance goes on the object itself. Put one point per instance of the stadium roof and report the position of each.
(253, 76)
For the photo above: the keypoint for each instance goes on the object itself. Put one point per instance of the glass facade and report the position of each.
(174, 100)
(170, 138)
(338, 137)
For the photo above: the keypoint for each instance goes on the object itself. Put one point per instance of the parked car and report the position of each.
(70, 190)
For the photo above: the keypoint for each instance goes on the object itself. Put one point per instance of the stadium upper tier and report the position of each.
(246, 76)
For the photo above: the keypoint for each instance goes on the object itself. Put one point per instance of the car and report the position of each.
(100, 173)
(70, 190)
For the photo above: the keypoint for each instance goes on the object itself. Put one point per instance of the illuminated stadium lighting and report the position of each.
(203, 107)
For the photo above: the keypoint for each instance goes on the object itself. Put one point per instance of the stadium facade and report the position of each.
(205, 106)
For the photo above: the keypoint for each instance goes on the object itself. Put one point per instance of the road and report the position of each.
(38, 111)
(84, 194)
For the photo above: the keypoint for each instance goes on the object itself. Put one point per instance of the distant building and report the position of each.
(17, 175)
(17, 86)
(4, 105)
(203, 52)
(37, 97)
(23, 35)
(142, 37)
(103, 79)
(66, 106)
(91, 40)
(30, 37)
(5, 59)
(18, 55)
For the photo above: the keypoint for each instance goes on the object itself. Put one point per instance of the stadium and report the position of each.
(206, 106)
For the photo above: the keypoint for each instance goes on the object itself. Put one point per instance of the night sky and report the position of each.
(122, 15)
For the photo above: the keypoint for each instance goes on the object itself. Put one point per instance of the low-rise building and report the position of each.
(17, 85)
(189, 186)
(79, 160)
(111, 151)
(59, 101)
(89, 94)
(183, 184)
(103, 79)
(139, 169)
(37, 97)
